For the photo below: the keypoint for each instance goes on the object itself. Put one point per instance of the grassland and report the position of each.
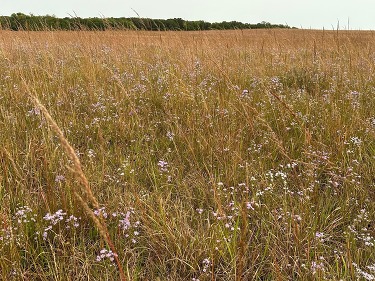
(233, 155)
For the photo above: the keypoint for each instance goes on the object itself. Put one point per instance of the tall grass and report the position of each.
(231, 155)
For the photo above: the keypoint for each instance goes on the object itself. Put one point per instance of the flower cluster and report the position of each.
(106, 254)
(163, 166)
(56, 218)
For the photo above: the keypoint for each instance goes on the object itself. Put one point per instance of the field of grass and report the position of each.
(232, 155)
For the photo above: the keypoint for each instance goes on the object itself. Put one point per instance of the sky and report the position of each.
(316, 14)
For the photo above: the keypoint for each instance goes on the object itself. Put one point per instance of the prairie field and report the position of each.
(216, 155)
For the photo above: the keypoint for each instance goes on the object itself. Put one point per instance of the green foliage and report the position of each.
(21, 21)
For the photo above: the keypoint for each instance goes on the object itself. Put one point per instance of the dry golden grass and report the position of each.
(215, 155)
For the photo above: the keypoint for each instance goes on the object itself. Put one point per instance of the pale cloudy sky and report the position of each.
(299, 13)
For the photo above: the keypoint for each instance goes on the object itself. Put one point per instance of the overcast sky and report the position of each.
(299, 13)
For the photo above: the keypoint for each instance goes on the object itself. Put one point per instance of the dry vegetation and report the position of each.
(212, 155)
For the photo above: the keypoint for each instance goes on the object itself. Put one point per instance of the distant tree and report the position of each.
(172, 24)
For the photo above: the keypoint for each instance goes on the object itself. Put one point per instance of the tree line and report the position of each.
(20, 21)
